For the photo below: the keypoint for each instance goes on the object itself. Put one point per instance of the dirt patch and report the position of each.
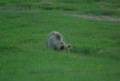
(48, 1)
(103, 18)
(108, 51)
(117, 9)
(16, 9)
(103, 4)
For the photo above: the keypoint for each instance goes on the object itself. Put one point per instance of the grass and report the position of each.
(24, 26)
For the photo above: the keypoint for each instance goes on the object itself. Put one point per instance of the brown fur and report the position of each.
(56, 41)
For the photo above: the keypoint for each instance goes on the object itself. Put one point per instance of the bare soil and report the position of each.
(103, 4)
(16, 9)
(103, 18)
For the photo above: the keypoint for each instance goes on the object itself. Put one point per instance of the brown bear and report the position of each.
(56, 41)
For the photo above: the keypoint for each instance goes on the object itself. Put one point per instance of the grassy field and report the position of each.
(95, 51)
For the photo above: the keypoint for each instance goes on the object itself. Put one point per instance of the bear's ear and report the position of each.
(62, 47)
(69, 45)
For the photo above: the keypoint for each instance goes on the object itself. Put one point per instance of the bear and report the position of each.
(56, 41)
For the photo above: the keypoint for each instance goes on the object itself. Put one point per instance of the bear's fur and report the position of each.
(56, 41)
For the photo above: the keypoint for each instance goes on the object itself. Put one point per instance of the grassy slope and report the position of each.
(23, 55)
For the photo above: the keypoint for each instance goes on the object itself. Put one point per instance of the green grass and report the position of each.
(24, 26)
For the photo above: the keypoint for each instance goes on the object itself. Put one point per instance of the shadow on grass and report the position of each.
(32, 7)
(7, 49)
(84, 50)
(105, 13)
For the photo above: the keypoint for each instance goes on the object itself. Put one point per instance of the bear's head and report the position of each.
(65, 47)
